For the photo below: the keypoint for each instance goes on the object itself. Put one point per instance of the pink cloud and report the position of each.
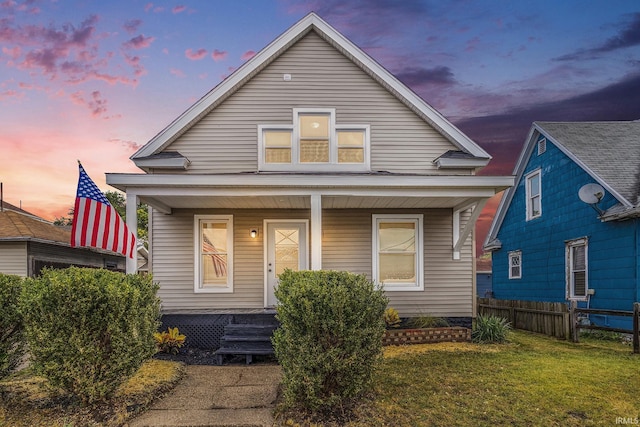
(139, 42)
(177, 73)
(248, 55)
(219, 55)
(132, 26)
(197, 55)
(165, 51)
(148, 7)
(14, 53)
(178, 9)
(11, 94)
(95, 102)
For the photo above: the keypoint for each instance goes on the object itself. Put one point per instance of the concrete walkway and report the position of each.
(236, 395)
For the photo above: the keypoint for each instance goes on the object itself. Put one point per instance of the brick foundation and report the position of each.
(425, 336)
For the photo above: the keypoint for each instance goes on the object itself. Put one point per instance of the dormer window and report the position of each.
(314, 142)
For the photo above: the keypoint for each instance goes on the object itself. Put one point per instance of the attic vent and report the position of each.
(542, 146)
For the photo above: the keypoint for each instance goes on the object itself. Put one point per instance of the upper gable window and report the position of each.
(534, 195)
(314, 142)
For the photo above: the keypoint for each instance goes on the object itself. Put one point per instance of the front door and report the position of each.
(286, 248)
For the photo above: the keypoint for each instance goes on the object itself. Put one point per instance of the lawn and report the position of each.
(534, 380)
(27, 401)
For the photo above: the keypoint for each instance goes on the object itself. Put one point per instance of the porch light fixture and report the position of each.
(254, 233)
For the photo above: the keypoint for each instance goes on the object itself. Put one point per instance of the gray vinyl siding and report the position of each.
(13, 258)
(226, 140)
(173, 259)
(346, 246)
(448, 283)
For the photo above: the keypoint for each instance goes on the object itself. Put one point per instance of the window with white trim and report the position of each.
(398, 251)
(313, 142)
(577, 274)
(515, 265)
(213, 237)
(534, 195)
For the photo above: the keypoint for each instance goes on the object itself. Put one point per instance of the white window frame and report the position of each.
(332, 164)
(569, 269)
(527, 182)
(198, 220)
(418, 220)
(514, 255)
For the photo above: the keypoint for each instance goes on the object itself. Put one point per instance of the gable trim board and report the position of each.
(625, 208)
(311, 22)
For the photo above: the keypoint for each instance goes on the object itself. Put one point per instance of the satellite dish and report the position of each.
(591, 193)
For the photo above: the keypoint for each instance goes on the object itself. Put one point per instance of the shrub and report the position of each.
(330, 338)
(89, 330)
(391, 318)
(169, 341)
(11, 325)
(423, 322)
(490, 329)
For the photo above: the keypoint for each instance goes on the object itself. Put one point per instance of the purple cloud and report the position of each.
(195, 55)
(248, 55)
(178, 9)
(219, 55)
(416, 77)
(629, 36)
(132, 26)
(139, 42)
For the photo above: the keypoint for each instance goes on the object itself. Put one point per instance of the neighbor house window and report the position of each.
(515, 265)
(577, 275)
(314, 141)
(213, 236)
(533, 190)
(398, 252)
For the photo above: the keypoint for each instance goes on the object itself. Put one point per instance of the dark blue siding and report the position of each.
(612, 246)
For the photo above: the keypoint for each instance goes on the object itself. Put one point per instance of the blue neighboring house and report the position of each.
(548, 244)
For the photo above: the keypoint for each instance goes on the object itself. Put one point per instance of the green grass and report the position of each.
(534, 380)
(531, 381)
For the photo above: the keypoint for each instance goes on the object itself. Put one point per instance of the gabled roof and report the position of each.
(311, 22)
(8, 206)
(608, 151)
(19, 226)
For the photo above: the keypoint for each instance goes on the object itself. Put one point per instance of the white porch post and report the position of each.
(316, 232)
(132, 223)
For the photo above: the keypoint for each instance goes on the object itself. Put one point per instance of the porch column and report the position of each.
(132, 223)
(316, 232)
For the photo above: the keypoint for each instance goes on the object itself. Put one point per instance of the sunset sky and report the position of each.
(95, 80)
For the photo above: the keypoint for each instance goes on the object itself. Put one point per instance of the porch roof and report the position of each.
(292, 191)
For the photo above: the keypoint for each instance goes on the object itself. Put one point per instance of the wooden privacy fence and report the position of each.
(555, 319)
(549, 318)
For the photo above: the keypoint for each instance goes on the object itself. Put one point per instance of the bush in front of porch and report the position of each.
(330, 338)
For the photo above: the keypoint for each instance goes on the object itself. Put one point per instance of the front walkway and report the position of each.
(218, 396)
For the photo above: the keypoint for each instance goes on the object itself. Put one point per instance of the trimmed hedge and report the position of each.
(330, 337)
(89, 330)
(11, 325)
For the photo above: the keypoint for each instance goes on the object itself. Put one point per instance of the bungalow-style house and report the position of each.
(309, 156)
(29, 243)
(569, 229)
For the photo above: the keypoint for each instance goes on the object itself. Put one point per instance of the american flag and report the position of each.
(219, 263)
(96, 222)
